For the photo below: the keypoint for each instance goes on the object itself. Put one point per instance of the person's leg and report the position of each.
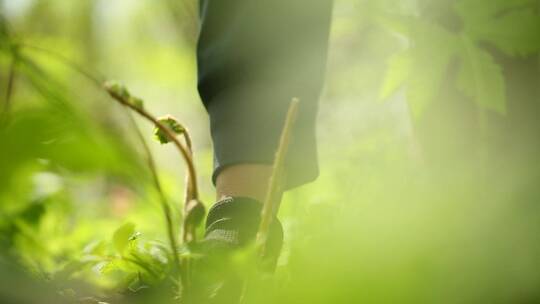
(253, 58)
(248, 180)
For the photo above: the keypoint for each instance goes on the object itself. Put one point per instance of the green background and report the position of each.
(428, 142)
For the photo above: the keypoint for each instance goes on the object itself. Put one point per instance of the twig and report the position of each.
(162, 198)
(172, 137)
(192, 193)
(191, 188)
(98, 81)
(151, 163)
(275, 190)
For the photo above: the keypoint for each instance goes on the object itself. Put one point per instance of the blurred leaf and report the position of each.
(46, 85)
(515, 33)
(425, 81)
(137, 284)
(395, 23)
(475, 10)
(71, 138)
(149, 259)
(146, 263)
(397, 73)
(95, 248)
(121, 237)
(116, 88)
(22, 141)
(4, 34)
(33, 213)
(481, 78)
(70, 268)
(422, 67)
(109, 266)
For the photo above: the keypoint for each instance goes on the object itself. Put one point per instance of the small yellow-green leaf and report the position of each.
(397, 73)
(137, 102)
(122, 235)
(171, 123)
(115, 88)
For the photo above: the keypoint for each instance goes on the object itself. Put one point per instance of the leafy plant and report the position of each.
(510, 26)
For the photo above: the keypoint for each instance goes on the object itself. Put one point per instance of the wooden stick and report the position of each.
(275, 185)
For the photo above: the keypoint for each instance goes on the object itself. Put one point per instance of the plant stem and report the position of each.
(191, 187)
(9, 89)
(186, 152)
(97, 80)
(172, 137)
(142, 265)
(162, 198)
(275, 185)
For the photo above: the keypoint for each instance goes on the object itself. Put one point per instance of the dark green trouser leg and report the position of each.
(253, 57)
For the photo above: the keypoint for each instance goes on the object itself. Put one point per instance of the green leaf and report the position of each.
(429, 69)
(171, 123)
(397, 73)
(106, 267)
(136, 101)
(4, 35)
(398, 24)
(117, 88)
(121, 237)
(515, 33)
(474, 10)
(481, 78)
(95, 248)
(421, 68)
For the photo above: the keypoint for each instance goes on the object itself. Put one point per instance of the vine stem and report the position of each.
(97, 80)
(162, 198)
(9, 89)
(275, 185)
(192, 186)
(186, 152)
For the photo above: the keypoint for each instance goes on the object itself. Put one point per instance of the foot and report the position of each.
(232, 224)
